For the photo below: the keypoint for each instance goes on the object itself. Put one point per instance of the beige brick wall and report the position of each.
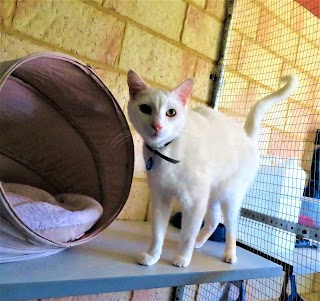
(164, 41)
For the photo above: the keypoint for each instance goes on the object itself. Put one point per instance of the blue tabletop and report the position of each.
(107, 264)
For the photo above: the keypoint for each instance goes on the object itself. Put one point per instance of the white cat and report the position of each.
(202, 158)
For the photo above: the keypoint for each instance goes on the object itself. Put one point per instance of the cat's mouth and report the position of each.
(155, 138)
(156, 134)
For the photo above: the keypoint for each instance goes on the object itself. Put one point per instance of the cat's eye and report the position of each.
(145, 109)
(171, 112)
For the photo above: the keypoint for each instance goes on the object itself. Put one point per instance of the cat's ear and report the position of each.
(136, 83)
(183, 91)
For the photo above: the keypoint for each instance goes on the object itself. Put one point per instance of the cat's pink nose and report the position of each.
(157, 127)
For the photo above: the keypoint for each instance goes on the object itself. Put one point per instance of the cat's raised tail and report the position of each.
(255, 116)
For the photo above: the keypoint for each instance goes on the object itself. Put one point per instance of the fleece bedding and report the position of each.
(60, 218)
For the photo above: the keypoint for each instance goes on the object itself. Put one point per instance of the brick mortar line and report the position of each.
(132, 129)
(238, 31)
(13, 13)
(285, 60)
(7, 19)
(277, 130)
(291, 100)
(21, 35)
(240, 47)
(310, 42)
(183, 22)
(149, 82)
(264, 124)
(195, 68)
(84, 59)
(139, 180)
(241, 34)
(110, 68)
(198, 100)
(261, 85)
(231, 112)
(41, 43)
(148, 209)
(148, 30)
(244, 35)
(87, 61)
(204, 10)
(121, 44)
(206, 5)
(291, 33)
(248, 79)
(286, 24)
(181, 35)
(140, 26)
(197, 6)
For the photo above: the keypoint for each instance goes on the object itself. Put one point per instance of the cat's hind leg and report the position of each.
(212, 219)
(231, 209)
(160, 210)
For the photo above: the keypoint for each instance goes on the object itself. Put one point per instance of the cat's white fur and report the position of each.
(218, 162)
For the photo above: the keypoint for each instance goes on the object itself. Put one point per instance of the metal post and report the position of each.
(217, 76)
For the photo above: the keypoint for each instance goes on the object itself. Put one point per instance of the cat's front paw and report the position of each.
(230, 257)
(147, 259)
(180, 261)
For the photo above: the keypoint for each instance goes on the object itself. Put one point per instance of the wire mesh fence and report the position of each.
(280, 218)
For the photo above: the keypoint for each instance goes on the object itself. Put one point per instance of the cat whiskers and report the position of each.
(120, 139)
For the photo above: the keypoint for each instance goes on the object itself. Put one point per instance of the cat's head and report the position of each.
(158, 115)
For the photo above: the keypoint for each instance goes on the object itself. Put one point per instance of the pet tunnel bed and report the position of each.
(62, 134)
